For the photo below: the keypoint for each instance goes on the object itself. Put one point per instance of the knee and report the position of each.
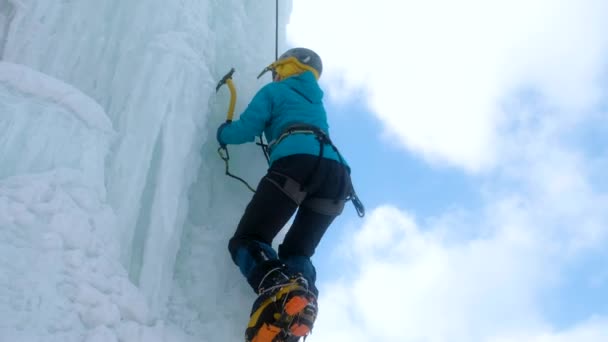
(248, 254)
(234, 245)
(259, 250)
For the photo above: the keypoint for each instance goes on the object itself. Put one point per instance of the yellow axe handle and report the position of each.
(232, 100)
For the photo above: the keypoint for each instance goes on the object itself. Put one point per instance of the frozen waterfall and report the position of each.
(114, 208)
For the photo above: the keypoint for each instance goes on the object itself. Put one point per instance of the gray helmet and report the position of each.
(305, 56)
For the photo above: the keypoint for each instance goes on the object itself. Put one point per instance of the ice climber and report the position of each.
(307, 176)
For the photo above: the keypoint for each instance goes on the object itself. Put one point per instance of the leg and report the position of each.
(301, 241)
(305, 233)
(250, 247)
(315, 215)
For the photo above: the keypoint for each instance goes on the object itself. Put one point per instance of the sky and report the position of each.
(476, 131)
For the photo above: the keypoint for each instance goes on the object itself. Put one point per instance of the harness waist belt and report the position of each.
(294, 130)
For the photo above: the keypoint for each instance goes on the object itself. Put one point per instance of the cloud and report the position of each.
(414, 284)
(479, 275)
(436, 73)
(593, 330)
(420, 283)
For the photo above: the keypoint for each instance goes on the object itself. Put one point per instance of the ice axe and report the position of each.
(227, 79)
(223, 150)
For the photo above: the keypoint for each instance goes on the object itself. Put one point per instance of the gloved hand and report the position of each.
(219, 132)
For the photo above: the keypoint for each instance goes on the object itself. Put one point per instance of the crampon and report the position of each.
(283, 315)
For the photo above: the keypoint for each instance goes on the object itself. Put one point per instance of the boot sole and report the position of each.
(296, 306)
(268, 332)
(269, 301)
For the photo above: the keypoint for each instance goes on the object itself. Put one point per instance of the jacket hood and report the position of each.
(306, 85)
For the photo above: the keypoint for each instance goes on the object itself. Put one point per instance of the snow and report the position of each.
(114, 209)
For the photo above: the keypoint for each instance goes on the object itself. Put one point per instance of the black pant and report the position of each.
(323, 181)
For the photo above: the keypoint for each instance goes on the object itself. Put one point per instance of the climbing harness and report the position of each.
(324, 140)
(297, 190)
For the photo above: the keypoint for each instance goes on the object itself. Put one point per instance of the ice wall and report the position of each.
(60, 279)
(152, 67)
(47, 124)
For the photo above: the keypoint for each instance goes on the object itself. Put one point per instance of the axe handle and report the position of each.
(232, 100)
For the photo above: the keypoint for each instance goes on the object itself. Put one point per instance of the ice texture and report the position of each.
(115, 212)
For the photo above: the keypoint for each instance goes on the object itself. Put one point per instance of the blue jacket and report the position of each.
(275, 107)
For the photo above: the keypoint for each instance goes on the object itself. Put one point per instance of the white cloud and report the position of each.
(416, 283)
(593, 330)
(436, 72)
(482, 275)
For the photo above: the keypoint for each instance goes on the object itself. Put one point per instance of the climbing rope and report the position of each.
(261, 143)
(227, 79)
(276, 31)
